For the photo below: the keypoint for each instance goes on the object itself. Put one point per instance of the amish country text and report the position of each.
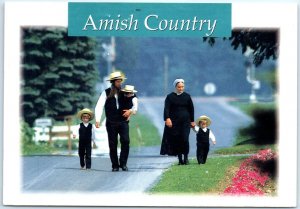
(151, 22)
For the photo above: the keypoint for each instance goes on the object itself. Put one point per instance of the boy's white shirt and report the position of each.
(85, 124)
(211, 134)
(101, 102)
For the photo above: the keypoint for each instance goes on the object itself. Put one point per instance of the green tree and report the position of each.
(58, 72)
(264, 43)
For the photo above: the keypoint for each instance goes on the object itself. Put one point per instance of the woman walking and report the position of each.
(179, 118)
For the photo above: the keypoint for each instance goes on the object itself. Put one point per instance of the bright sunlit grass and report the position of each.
(195, 178)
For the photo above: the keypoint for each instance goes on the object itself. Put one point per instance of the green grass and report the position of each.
(216, 174)
(148, 136)
(244, 149)
(195, 179)
(35, 149)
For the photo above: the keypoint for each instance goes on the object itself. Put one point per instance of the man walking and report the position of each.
(117, 118)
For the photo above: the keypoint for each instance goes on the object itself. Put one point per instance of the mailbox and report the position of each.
(43, 122)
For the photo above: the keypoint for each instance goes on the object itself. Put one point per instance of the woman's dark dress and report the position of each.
(180, 109)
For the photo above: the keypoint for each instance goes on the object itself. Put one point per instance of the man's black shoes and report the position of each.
(115, 169)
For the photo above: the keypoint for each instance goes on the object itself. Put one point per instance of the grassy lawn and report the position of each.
(36, 149)
(217, 173)
(212, 177)
(244, 149)
(142, 132)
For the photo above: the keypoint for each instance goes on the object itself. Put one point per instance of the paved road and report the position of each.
(62, 173)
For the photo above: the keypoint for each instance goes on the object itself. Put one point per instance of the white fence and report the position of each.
(42, 134)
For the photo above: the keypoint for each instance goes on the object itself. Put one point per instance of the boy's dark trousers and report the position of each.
(202, 146)
(85, 152)
(202, 152)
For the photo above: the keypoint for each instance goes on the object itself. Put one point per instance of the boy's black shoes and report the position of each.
(115, 169)
(186, 162)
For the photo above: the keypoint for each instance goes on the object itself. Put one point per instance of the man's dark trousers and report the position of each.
(113, 129)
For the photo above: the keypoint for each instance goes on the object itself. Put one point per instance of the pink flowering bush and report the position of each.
(253, 174)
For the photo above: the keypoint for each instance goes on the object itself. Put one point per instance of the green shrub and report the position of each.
(28, 146)
(27, 134)
(262, 131)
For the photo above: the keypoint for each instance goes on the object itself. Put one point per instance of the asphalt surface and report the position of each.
(62, 173)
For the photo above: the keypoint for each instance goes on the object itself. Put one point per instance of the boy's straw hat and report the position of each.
(85, 111)
(129, 89)
(203, 117)
(116, 76)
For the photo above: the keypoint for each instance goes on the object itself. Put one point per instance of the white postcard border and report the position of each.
(258, 15)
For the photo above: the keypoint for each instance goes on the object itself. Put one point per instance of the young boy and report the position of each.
(129, 100)
(203, 136)
(86, 137)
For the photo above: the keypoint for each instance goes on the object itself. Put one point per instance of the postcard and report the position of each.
(190, 60)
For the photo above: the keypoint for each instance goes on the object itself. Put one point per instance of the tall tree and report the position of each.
(59, 72)
(264, 43)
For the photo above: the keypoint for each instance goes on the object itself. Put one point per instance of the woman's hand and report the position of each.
(97, 124)
(168, 122)
(193, 124)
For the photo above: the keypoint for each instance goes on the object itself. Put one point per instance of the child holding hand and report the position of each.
(203, 136)
(86, 137)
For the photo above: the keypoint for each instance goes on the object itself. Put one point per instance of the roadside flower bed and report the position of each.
(253, 174)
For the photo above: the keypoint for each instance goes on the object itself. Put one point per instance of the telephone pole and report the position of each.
(166, 74)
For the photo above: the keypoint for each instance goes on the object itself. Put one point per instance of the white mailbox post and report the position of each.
(44, 123)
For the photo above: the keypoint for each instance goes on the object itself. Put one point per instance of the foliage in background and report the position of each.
(28, 146)
(261, 134)
(27, 133)
(151, 64)
(58, 72)
(264, 128)
(269, 77)
(264, 43)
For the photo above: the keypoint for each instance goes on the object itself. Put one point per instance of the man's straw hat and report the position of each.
(116, 76)
(85, 111)
(129, 89)
(203, 117)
